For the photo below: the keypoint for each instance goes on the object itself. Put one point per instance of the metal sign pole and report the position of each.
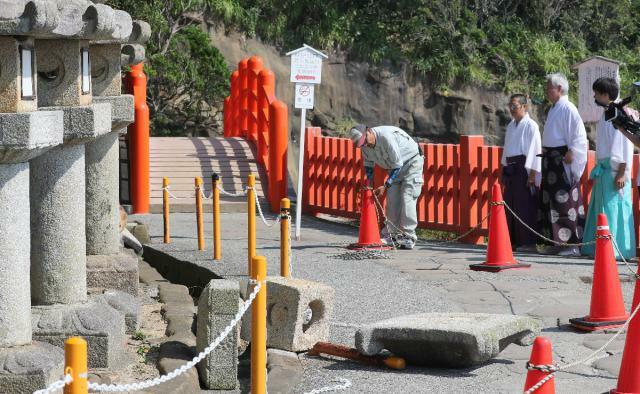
(303, 121)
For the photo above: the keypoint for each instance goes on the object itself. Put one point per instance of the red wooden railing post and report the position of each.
(255, 65)
(469, 194)
(139, 141)
(227, 113)
(278, 142)
(243, 96)
(310, 170)
(235, 105)
(266, 94)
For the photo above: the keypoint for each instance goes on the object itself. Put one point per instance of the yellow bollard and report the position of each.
(75, 364)
(285, 205)
(217, 250)
(199, 217)
(165, 209)
(259, 329)
(251, 214)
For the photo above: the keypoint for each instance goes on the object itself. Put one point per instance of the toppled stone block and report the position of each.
(453, 340)
(102, 327)
(126, 304)
(116, 272)
(170, 292)
(25, 369)
(298, 313)
(217, 306)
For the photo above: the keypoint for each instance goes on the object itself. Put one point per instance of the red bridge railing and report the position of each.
(253, 112)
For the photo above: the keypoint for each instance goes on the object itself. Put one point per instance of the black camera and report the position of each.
(615, 113)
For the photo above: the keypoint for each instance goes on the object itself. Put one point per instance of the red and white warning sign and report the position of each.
(306, 65)
(304, 95)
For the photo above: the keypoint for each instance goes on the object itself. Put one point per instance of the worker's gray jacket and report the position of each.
(394, 147)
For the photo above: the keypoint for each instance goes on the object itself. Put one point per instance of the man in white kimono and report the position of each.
(564, 156)
(521, 167)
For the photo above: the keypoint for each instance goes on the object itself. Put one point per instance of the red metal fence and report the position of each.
(457, 182)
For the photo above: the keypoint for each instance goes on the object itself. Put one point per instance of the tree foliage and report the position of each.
(510, 44)
(188, 77)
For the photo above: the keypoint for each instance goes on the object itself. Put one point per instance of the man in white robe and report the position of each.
(521, 167)
(564, 147)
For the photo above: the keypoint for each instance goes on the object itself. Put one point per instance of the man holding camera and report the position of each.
(611, 192)
(394, 150)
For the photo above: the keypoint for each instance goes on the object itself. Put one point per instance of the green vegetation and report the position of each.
(188, 77)
(509, 44)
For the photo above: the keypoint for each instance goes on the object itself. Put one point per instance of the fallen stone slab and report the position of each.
(126, 304)
(453, 340)
(169, 292)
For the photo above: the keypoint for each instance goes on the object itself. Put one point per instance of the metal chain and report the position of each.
(397, 230)
(173, 195)
(56, 385)
(564, 244)
(346, 383)
(209, 197)
(241, 194)
(264, 220)
(633, 272)
(594, 355)
(179, 371)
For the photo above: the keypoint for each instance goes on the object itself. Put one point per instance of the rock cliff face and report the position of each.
(378, 94)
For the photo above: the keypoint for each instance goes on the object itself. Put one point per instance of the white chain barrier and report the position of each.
(58, 385)
(345, 384)
(264, 220)
(167, 188)
(179, 371)
(226, 193)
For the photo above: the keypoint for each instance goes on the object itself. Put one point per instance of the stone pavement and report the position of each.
(433, 277)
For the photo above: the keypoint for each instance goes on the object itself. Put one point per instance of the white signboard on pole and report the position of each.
(588, 71)
(306, 65)
(306, 69)
(304, 96)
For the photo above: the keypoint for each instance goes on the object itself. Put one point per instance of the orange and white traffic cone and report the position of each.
(499, 253)
(607, 305)
(629, 376)
(541, 357)
(369, 237)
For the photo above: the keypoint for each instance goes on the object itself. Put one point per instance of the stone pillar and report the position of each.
(58, 177)
(107, 266)
(24, 134)
(59, 285)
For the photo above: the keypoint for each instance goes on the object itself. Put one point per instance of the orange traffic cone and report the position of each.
(629, 376)
(607, 305)
(541, 355)
(369, 237)
(499, 253)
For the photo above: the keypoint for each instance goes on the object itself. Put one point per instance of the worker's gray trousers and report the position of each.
(402, 198)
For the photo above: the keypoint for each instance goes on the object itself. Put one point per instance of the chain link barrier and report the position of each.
(345, 384)
(557, 243)
(226, 193)
(398, 231)
(179, 371)
(168, 189)
(57, 385)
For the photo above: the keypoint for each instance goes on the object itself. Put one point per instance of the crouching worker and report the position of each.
(394, 150)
